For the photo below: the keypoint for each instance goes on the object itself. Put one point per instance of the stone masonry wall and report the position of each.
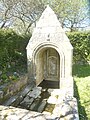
(67, 110)
(48, 104)
(10, 89)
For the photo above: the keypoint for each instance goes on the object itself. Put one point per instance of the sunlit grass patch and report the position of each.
(82, 91)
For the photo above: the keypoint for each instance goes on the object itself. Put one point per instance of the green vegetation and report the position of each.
(13, 59)
(71, 12)
(81, 46)
(82, 90)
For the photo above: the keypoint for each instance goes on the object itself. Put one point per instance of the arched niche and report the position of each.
(47, 65)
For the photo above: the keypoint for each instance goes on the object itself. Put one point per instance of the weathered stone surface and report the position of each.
(3, 108)
(49, 52)
(42, 106)
(67, 109)
(26, 90)
(15, 100)
(35, 104)
(26, 99)
(1, 94)
(36, 116)
(56, 92)
(53, 107)
(11, 113)
(27, 102)
(70, 117)
(51, 117)
(35, 92)
(10, 89)
(50, 90)
(22, 94)
(57, 96)
(52, 100)
(46, 113)
(11, 101)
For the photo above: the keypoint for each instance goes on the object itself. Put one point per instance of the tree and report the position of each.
(89, 10)
(5, 9)
(71, 12)
(21, 14)
(25, 12)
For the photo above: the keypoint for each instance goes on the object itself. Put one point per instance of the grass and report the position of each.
(82, 90)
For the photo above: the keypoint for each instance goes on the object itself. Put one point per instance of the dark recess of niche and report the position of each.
(49, 84)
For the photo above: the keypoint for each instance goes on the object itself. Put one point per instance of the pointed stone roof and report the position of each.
(48, 19)
(48, 28)
(48, 22)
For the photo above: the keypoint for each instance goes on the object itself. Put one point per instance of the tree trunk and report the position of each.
(3, 25)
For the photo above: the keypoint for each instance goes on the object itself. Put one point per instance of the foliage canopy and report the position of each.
(21, 14)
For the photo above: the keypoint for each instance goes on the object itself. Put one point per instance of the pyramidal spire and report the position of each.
(48, 19)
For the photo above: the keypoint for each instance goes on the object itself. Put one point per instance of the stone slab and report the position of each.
(35, 104)
(35, 92)
(11, 101)
(1, 94)
(26, 102)
(12, 113)
(42, 106)
(26, 90)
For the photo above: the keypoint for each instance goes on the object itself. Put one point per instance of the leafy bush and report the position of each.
(12, 48)
(81, 44)
(12, 54)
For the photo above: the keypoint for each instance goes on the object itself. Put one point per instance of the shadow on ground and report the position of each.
(81, 109)
(81, 70)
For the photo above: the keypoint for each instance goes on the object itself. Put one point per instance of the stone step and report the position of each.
(26, 102)
(35, 104)
(11, 101)
(15, 100)
(42, 106)
(36, 91)
(25, 91)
